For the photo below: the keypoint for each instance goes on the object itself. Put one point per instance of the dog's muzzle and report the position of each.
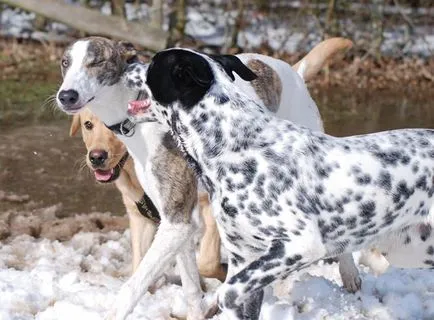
(69, 101)
(107, 176)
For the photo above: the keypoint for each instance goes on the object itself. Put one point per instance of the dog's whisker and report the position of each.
(49, 99)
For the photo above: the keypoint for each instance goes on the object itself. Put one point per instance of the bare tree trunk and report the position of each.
(330, 11)
(93, 22)
(237, 25)
(157, 14)
(377, 26)
(181, 17)
(178, 22)
(118, 8)
(330, 23)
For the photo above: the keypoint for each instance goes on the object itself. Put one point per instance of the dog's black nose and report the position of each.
(97, 157)
(68, 97)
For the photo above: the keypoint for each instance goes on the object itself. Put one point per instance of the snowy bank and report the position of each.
(78, 279)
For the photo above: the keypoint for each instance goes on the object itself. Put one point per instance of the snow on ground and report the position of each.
(78, 279)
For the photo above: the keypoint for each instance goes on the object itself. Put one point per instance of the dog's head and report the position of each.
(106, 154)
(89, 65)
(183, 77)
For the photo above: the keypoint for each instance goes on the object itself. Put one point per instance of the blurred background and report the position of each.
(386, 81)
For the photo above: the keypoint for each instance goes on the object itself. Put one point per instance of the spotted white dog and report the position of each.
(285, 196)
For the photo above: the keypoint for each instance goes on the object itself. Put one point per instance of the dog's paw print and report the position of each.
(135, 76)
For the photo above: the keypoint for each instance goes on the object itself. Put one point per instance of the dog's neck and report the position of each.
(111, 103)
(111, 107)
(214, 134)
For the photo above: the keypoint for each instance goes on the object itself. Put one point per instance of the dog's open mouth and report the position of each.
(139, 111)
(106, 175)
(138, 107)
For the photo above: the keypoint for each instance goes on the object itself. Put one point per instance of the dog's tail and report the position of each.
(315, 60)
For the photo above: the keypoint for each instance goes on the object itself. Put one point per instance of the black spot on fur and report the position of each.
(425, 231)
(221, 99)
(230, 297)
(390, 158)
(364, 179)
(229, 209)
(385, 180)
(293, 260)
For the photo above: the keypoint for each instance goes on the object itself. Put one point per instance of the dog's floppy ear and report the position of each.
(231, 64)
(127, 51)
(75, 125)
(187, 73)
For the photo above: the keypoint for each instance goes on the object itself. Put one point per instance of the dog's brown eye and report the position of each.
(65, 63)
(88, 125)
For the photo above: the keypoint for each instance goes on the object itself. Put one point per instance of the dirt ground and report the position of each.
(44, 189)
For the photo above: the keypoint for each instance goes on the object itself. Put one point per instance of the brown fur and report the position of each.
(106, 59)
(267, 86)
(209, 257)
(177, 181)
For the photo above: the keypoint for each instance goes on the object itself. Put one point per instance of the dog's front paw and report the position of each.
(351, 279)
(352, 283)
(135, 76)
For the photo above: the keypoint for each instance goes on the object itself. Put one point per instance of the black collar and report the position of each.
(124, 159)
(148, 209)
(125, 128)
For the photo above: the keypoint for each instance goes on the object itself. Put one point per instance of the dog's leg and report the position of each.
(209, 260)
(349, 273)
(170, 238)
(232, 269)
(252, 307)
(142, 234)
(282, 258)
(187, 267)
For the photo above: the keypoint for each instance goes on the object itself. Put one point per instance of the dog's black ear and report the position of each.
(127, 51)
(231, 64)
(188, 73)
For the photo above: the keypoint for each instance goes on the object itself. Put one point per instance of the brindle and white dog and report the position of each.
(92, 69)
(285, 196)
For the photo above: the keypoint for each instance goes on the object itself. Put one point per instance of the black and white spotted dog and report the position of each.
(283, 195)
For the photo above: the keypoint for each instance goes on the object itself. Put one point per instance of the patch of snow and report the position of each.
(43, 279)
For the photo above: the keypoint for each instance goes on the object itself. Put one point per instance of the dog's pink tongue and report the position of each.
(103, 175)
(138, 106)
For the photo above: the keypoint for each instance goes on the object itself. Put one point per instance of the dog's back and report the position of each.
(283, 88)
(357, 189)
(295, 102)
